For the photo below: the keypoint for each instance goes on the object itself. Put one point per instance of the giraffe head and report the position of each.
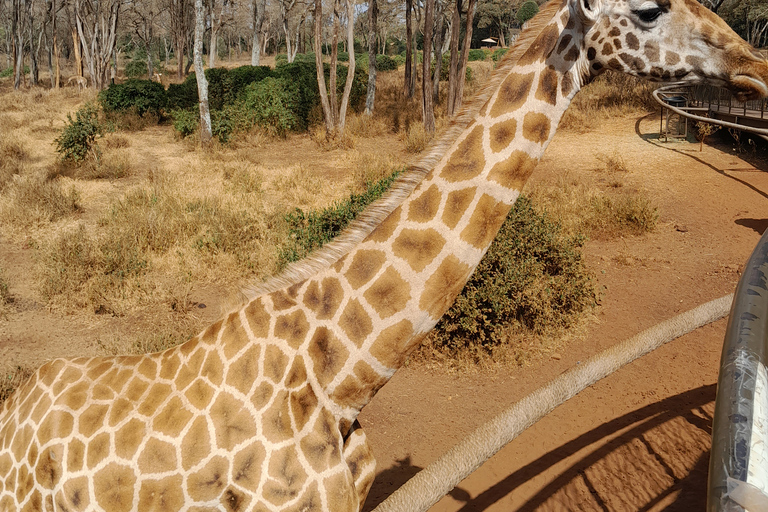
(670, 41)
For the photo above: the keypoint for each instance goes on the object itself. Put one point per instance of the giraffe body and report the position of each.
(258, 412)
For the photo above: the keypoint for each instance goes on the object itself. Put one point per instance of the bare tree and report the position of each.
(97, 29)
(439, 50)
(408, 82)
(18, 25)
(373, 15)
(427, 107)
(458, 66)
(143, 19)
(259, 8)
(181, 24)
(335, 118)
(202, 83)
(220, 16)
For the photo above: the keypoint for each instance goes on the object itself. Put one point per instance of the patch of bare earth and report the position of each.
(639, 439)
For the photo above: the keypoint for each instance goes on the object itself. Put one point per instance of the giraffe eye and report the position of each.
(649, 15)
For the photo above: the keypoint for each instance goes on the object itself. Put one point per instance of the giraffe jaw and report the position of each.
(747, 87)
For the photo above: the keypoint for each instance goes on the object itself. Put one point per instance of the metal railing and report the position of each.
(713, 101)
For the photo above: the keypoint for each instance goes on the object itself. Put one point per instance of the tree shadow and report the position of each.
(689, 490)
(393, 478)
(650, 140)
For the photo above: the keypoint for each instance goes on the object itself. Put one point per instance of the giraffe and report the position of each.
(259, 411)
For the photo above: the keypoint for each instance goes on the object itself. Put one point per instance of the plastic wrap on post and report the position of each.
(738, 464)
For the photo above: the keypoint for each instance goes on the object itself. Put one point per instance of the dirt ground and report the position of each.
(638, 440)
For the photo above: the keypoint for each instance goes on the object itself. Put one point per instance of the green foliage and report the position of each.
(476, 54)
(272, 104)
(310, 230)
(532, 276)
(445, 68)
(528, 10)
(498, 54)
(185, 121)
(183, 95)
(78, 137)
(139, 96)
(9, 71)
(385, 63)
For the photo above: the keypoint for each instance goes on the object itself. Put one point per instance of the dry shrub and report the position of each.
(370, 168)
(242, 178)
(34, 198)
(330, 142)
(11, 379)
(581, 208)
(416, 139)
(610, 94)
(366, 126)
(6, 299)
(161, 228)
(115, 141)
(13, 158)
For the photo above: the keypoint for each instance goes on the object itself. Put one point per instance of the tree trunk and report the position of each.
(258, 20)
(439, 40)
(17, 37)
(407, 89)
(453, 67)
(342, 119)
(213, 48)
(76, 49)
(427, 107)
(332, 91)
(202, 83)
(464, 56)
(319, 65)
(373, 15)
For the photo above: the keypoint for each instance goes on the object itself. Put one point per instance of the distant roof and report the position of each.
(489, 40)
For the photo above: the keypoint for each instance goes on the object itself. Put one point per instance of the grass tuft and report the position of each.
(34, 198)
(12, 379)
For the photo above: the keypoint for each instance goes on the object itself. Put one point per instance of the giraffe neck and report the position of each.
(353, 324)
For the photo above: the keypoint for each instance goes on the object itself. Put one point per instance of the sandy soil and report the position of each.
(639, 439)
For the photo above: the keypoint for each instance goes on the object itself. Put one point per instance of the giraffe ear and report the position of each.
(588, 10)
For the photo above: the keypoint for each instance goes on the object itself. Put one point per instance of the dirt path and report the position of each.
(639, 439)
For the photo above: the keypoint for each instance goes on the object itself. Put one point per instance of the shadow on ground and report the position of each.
(684, 494)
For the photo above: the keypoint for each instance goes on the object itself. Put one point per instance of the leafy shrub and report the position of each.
(139, 96)
(310, 230)
(445, 68)
(532, 276)
(185, 121)
(399, 59)
(9, 71)
(78, 137)
(219, 88)
(385, 63)
(272, 104)
(476, 54)
(498, 53)
(240, 77)
(135, 68)
(183, 95)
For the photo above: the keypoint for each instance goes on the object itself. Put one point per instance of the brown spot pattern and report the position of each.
(323, 298)
(365, 264)
(418, 247)
(513, 93)
(536, 127)
(468, 160)
(485, 222)
(456, 204)
(328, 355)
(547, 90)
(355, 322)
(443, 286)
(388, 294)
(425, 206)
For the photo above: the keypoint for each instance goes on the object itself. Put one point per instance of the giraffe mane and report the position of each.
(376, 212)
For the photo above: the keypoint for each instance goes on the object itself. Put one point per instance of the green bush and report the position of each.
(476, 54)
(532, 275)
(9, 71)
(386, 63)
(498, 54)
(183, 95)
(444, 70)
(240, 77)
(78, 137)
(273, 104)
(185, 121)
(219, 88)
(140, 96)
(310, 230)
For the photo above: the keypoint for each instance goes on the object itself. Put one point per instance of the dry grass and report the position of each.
(14, 158)
(33, 199)
(609, 95)
(11, 379)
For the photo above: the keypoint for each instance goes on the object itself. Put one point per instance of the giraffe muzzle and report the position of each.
(746, 87)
